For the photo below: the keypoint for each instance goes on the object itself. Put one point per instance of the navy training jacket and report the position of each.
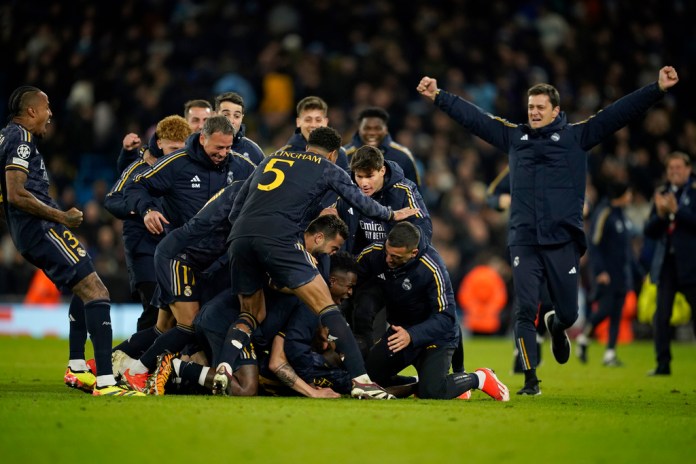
(185, 180)
(418, 295)
(391, 151)
(548, 166)
(397, 193)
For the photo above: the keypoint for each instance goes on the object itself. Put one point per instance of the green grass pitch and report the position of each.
(586, 414)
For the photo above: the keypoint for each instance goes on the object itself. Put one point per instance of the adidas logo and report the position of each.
(524, 137)
(381, 276)
(350, 210)
(195, 179)
(196, 182)
(573, 271)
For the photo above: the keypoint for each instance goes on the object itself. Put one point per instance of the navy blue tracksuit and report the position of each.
(247, 147)
(297, 143)
(610, 252)
(392, 151)
(419, 298)
(548, 171)
(185, 180)
(275, 206)
(397, 193)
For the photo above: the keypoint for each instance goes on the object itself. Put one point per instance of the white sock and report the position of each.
(609, 355)
(582, 339)
(78, 365)
(105, 380)
(176, 364)
(481, 377)
(137, 367)
(201, 378)
(363, 379)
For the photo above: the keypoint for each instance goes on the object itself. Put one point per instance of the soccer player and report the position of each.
(269, 214)
(303, 350)
(185, 180)
(197, 112)
(170, 135)
(312, 112)
(422, 330)
(40, 230)
(611, 261)
(323, 236)
(498, 198)
(548, 171)
(373, 131)
(384, 182)
(231, 105)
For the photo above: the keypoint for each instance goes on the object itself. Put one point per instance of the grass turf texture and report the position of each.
(586, 413)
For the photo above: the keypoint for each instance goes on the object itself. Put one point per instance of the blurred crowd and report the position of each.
(110, 68)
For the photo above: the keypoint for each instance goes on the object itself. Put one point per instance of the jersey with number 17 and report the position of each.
(283, 195)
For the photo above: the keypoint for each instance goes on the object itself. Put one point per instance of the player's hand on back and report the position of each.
(404, 213)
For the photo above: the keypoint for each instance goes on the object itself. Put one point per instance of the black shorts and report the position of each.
(254, 259)
(212, 322)
(176, 281)
(61, 256)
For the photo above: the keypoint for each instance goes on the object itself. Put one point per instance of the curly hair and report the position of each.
(173, 127)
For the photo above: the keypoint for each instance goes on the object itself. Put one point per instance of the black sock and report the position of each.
(77, 336)
(98, 322)
(190, 372)
(235, 341)
(332, 318)
(530, 376)
(460, 383)
(173, 340)
(139, 342)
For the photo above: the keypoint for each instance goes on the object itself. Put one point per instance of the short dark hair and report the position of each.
(312, 103)
(374, 112)
(404, 234)
(326, 138)
(330, 225)
(546, 89)
(616, 189)
(19, 99)
(217, 124)
(230, 97)
(342, 261)
(367, 159)
(196, 104)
